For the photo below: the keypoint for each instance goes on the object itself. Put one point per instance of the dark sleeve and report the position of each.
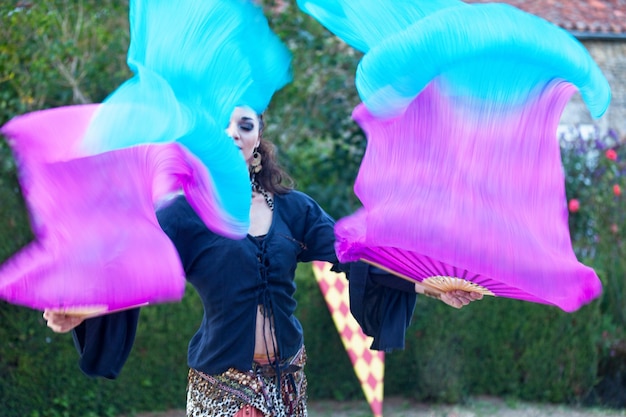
(105, 342)
(182, 225)
(316, 229)
(382, 304)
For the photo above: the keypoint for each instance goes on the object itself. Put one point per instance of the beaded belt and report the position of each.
(269, 371)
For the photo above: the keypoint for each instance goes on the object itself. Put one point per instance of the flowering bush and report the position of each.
(595, 164)
(595, 171)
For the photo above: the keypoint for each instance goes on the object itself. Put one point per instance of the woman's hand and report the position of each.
(460, 298)
(455, 298)
(60, 322)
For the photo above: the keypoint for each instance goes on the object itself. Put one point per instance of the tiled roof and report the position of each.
(582, 17)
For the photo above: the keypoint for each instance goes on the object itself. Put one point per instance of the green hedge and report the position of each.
(39, 375)
(496, 346)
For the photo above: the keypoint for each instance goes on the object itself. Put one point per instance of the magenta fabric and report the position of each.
(97, 238)
(472, 194)
(93, 175)
(462, 175)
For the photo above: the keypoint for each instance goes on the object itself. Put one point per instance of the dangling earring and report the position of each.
(255, 163)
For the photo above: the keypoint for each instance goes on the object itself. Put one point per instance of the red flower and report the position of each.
(614, 228)
(617, 190)
(574, 205)
(611, 154)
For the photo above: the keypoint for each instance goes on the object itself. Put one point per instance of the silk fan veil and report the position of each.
(461, 182)
(93, 175)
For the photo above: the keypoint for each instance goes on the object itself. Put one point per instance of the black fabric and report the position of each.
(105, 342)
(233, 277)
(382, 304)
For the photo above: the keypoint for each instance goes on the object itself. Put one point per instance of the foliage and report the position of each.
(58, 56)
(595, 164)
(596, 169)
(310, 119)
(60, 52)
(498, 347)
(14, 221)
(39, 376)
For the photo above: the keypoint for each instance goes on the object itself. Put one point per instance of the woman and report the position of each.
(248, 354)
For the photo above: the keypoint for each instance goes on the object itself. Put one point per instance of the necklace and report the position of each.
(268, 198)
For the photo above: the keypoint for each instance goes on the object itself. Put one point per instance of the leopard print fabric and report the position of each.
(225, 394)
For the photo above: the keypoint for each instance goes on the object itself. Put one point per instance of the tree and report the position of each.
(310, 119)
(53, 53)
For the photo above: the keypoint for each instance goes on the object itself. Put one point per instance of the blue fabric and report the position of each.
(488, 51)
(193, 62)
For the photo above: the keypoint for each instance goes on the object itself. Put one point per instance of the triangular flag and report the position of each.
(369, 366)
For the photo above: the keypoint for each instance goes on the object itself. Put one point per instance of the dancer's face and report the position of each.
(244, 129)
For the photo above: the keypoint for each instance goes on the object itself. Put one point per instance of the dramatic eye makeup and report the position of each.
(246, 124)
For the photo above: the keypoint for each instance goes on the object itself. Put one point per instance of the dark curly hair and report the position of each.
(272, 176)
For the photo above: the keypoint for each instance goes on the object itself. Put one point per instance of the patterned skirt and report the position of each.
(274, 395)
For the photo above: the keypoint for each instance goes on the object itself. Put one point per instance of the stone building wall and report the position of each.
(610, 55)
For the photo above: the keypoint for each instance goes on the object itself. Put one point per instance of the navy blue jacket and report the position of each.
(232, 277)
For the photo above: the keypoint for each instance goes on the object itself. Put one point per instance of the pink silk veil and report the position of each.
(93, 175)
(461, 183)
